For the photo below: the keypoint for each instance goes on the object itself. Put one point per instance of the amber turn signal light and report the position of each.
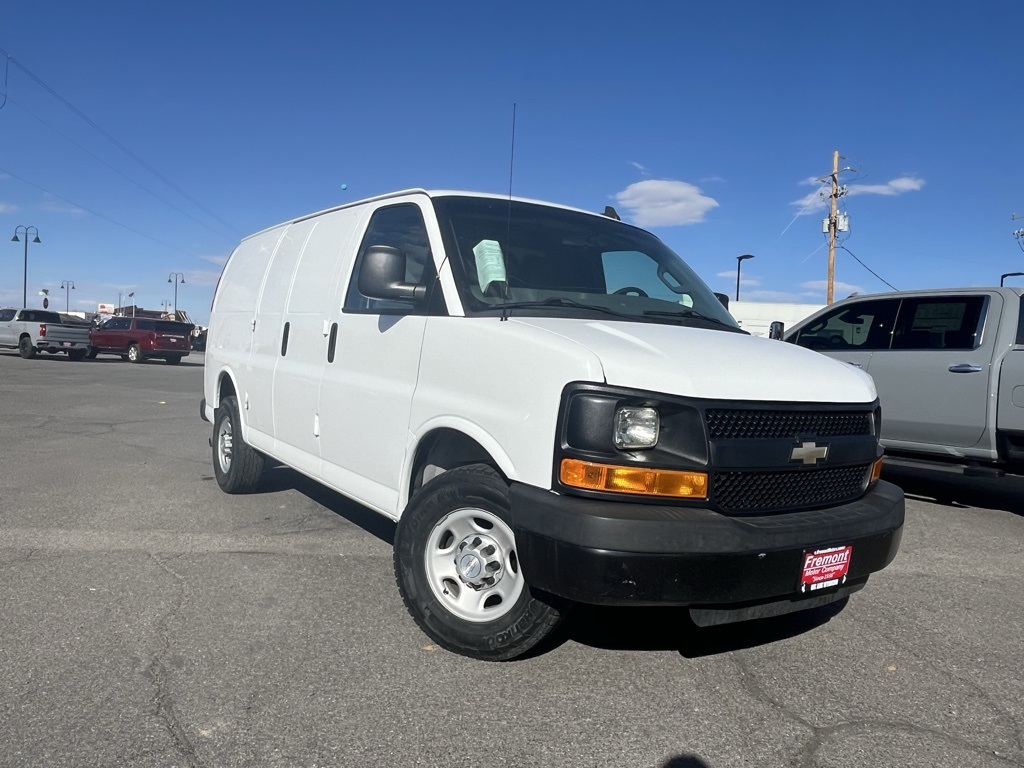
(636, 480)
(876, 471)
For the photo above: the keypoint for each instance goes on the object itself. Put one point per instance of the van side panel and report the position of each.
(234, 308)
(267, 336)
(326, 259)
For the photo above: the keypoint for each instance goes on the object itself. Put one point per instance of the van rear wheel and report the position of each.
(236, 465)
(25, 348)
(458, 570)
(134, 354)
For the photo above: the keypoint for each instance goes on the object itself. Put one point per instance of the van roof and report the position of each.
(431, 193)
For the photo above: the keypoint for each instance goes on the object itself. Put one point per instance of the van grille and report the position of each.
(728, 423)
(767, 491)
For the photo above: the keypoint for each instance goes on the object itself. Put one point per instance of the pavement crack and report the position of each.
(164, 700)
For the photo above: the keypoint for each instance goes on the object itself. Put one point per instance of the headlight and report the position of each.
(636, 427)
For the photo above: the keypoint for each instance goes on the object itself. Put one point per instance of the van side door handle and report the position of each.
(964, 368)
(332, 342)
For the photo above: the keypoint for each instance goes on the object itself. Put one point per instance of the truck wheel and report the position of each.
(237, 466)
(458, 572)
(76, 354)
(173, 359)
(25, 348)
(134, 354)
(91, 354)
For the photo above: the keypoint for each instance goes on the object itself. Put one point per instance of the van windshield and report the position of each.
(527, 259)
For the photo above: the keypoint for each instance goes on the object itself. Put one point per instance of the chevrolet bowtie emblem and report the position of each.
(809, 453)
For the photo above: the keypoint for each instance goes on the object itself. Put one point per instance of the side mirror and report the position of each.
(382, 276)
(776, 329)
(724, 298)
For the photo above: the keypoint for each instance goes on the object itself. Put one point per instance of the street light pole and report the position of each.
(67, 285)
(739, 263)
(25, 231)
(176, 277)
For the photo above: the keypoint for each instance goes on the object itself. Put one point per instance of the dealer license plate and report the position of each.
(825, 568)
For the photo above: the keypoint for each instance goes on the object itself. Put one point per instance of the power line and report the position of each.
(99, 215)
(869, 269)
(117, 143)
(119, 172)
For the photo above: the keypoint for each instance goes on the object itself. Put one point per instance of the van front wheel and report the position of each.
(237, 466)
(458, 570)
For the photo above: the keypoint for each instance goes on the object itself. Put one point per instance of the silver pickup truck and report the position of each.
(948, 365)
(40, 330)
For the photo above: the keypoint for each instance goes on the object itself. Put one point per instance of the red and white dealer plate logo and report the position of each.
(825, 568)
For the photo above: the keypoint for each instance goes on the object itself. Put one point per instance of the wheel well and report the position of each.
(24, 336)
(225, 388)
(446, 449)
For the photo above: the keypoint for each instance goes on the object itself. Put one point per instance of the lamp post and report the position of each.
(131, 295)
(68, 286)
(25, 231)
(176, 277)
(1005, 275)
(166, 304)
(739, 263)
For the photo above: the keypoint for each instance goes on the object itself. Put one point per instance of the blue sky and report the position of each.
(705, 123)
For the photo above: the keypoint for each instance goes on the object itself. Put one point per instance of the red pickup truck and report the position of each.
(138, 338)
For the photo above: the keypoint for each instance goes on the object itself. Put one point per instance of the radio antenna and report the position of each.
(508, 216)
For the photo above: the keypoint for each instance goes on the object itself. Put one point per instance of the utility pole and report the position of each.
(833, 223)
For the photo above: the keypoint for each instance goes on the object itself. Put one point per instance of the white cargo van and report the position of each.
(553, 407)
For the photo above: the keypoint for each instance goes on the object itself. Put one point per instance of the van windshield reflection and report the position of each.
(528, 259)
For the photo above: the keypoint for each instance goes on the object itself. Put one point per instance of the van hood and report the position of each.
(718, 365)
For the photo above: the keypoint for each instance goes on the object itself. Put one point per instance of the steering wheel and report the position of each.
(631, 289)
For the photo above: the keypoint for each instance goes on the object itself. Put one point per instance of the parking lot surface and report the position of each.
(148, 619)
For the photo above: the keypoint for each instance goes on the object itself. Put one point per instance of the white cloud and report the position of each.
(640, 168)
(205, 278)
(8, 208)
(895, 187)
(55, 207)
(665, 203)
(819, 198)
(839, 289)
(744, 280)
(759, 294)
(220, 261)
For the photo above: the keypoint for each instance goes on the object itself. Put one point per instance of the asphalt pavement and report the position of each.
(148, 619)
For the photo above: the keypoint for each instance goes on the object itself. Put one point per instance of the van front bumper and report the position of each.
(615, 553)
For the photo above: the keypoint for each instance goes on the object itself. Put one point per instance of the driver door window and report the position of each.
(862, 326)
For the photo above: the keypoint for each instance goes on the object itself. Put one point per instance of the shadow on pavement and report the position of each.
(1003, 493)
(671, 629)
(277, 477)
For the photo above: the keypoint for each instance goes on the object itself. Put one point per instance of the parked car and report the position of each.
(139, 338)
(39, 330)
(553, 407)
(948, 365)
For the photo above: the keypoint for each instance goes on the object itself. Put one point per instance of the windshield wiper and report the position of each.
(690, 314)
(557, 301)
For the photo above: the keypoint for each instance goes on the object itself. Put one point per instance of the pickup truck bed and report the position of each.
(38, 330)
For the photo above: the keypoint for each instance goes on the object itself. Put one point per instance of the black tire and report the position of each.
(173, 359)
(134, 354)
(25, 348)
(461, 515)
(91, 354)
(76, 354)
(237, 466)
(124, 357)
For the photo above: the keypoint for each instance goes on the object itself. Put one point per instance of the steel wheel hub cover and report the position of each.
(478, 561)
